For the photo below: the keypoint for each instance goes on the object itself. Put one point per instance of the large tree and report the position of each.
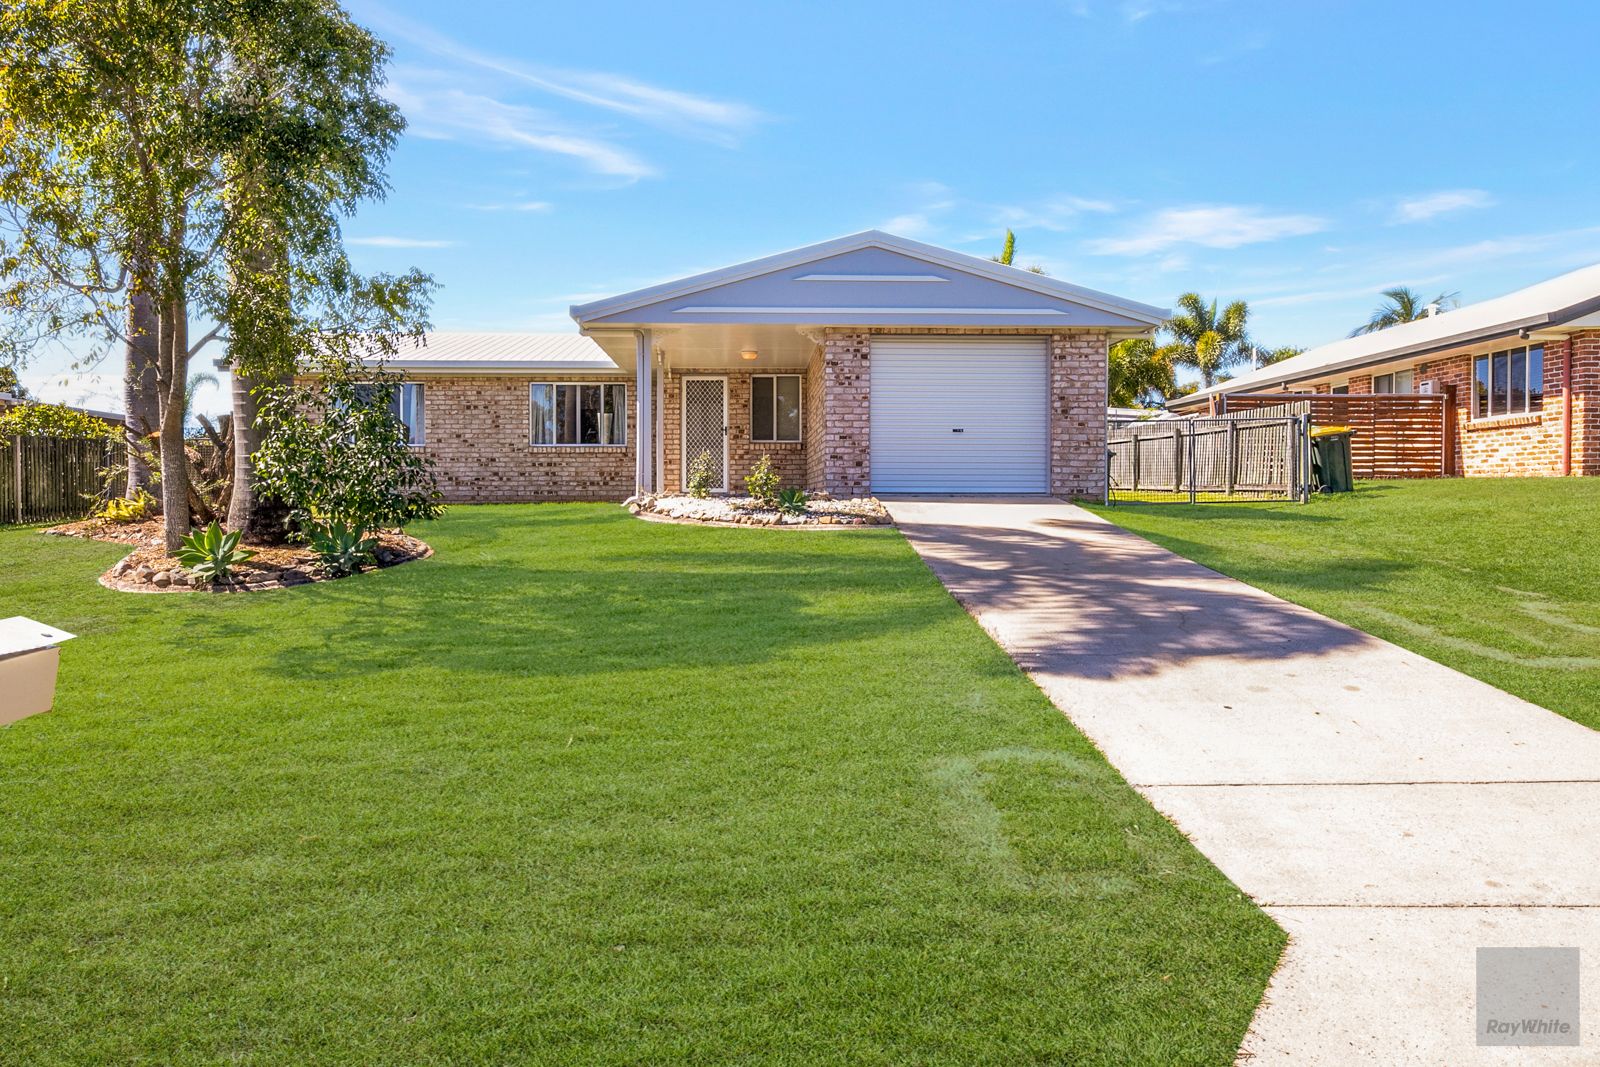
(1208, 340)
(195, 154)
(1401, 304)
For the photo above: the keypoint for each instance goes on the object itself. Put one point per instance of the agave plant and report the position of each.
(343, 549)
(792, 500)
(212, 554)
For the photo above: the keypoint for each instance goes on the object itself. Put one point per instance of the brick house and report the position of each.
(1519, 376)
(867, 364)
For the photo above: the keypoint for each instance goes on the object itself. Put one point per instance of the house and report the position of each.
(1518, 377)
(866, 364)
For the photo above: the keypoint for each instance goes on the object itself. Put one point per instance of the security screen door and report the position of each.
(705, 426)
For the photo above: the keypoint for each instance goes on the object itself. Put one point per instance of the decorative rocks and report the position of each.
(148, 569)
(743, 511)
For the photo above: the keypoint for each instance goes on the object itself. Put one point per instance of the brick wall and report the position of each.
(816, 420)
(1585, 402)
(475, 429)
(1506, 447)
(847, 416)
(1078, 414)
(789, 459)
(1360, 384)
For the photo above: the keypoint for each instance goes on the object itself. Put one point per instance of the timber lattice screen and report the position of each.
(1397, 435)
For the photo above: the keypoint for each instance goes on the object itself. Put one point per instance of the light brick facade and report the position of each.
(1529, 445)
(476, 428)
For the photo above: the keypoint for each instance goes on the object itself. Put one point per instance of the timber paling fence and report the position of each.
(1247, 456)
(1397, 435)
(52, 479)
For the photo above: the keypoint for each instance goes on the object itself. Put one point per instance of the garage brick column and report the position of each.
(1078, 414)
(846, 401)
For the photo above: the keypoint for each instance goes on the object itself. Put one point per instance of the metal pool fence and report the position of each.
(1202, 460)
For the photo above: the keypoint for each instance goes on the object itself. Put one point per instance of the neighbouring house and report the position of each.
(1517, 379)
(8, 401)
(866, 364)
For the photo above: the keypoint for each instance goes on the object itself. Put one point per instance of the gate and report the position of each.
(1203, 460)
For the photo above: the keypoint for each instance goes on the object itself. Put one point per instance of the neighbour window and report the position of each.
(405, 404)
(577, 414)
(1401, 381)
(1341, 390)
(775, 407)
(1508, 383)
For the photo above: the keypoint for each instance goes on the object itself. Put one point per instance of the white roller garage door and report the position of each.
(960, 415)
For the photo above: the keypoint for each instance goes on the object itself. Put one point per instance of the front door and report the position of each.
(705, 427)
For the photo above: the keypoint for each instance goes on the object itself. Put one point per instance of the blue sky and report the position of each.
(1298, 156)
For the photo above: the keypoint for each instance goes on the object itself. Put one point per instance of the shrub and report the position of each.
(792, 500)
(762, 483)
(136, 508)
(55, 420)
(701, 474)
(212, 554)
(335, 453)
(343, 549)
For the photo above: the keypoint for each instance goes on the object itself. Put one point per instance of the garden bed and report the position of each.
(746, 511)
(149, 569)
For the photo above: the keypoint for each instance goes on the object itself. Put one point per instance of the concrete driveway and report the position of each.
(1391, 814)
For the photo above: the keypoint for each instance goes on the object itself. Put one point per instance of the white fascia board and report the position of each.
(499, 366)
(1022, 279)
(828, 314)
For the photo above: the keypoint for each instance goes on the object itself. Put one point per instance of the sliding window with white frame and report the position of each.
(577, 413)
(1510, 382)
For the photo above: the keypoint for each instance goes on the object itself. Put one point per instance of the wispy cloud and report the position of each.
(396, 242)
(518, 205)
(1208, 226)
(704, 116)
(1423, 208)
(1056, 213)
(444, 113)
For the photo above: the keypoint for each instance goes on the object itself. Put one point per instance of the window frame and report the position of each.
(1497, 364)
(800, 409)
(605, 388)
(416, 436)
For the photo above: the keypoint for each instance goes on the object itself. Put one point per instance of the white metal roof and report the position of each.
(872, 278)
(450, 352)
(1545, 305)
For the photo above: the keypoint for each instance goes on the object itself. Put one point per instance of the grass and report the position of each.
(1498, 578)
(582, 789)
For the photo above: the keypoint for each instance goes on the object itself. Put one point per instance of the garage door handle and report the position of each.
(957, 429)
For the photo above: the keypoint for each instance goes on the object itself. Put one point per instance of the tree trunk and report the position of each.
(174, 374)
(249, 509)
(140, 396)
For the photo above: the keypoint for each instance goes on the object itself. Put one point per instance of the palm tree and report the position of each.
(1403, 305)
(195, 381)
(1205, 340)
(1008, 252)
(1140, 374)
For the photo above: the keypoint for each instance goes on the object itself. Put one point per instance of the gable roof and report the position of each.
(1546, 304)
(447, 351)
(871, 278)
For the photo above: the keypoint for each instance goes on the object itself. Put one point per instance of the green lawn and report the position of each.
(582, 789)
(1499, 578)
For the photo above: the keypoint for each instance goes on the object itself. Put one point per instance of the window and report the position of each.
(1401, 381)
(775, 407)
(1341, 390)
(405, 404)
(1508, 383)
(577, 414)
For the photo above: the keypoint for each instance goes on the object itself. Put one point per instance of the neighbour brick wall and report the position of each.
(788, 458)
(1585, 402)
(475, 429)
(1360, 384)
(846, 396)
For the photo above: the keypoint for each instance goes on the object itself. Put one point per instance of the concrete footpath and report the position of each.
(1393, 815)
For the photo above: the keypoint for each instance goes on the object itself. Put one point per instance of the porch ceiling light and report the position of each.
(749, 353)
